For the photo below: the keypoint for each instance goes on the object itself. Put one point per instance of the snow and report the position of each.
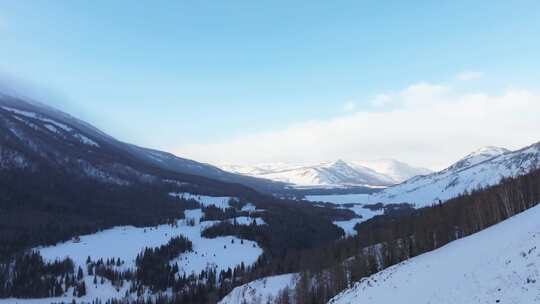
(335, 174)
(99, 291)
(500, 263)
(396, 170)
(339, 199)
(218, 201)
(38, 116)
(57, 124)
(259, 291)
(364, 215)
(127, 241)
(20, 112)
(348, 226)
(479, 156)
(249, 207)
(85, 140)
(466, 175)
(354, 203)
(51, 128)
(364, 212)
(219, 253)
(481, 168)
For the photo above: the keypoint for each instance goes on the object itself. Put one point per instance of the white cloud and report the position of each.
(427, 124)
(469, 75)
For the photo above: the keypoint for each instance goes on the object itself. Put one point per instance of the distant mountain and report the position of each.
(484, 167)
(396, 170)
(336, 174)
(331, 174)
(33, 134)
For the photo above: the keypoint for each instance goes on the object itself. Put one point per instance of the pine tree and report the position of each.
(80, 274)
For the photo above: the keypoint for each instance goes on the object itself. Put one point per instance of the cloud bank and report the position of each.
(425, 124)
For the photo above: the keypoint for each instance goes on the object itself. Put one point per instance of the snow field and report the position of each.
(127, 242)
(259, 291)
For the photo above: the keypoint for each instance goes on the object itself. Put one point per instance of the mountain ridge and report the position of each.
(338, 173)
(481, 168)
(35, 126)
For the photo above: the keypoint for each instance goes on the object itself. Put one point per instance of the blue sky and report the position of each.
(178, 74)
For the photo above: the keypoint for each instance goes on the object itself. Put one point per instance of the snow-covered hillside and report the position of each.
(333, 174)
(498, 265)
(264, 290)
(482, 168)
(396, 170)
(127, 242)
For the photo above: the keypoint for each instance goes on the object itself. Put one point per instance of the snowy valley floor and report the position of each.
(126, 242)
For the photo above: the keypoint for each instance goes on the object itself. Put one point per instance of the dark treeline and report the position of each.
(153, 268)
(287, 228)
(29, 276)
(213, 213)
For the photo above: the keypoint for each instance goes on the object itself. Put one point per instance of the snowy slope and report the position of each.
(257, 170)
(260, 291)
(41, 132)
(481, 168)
(126, 242)
(327, 175)
(498, 265)
(338, 173)
(396, 170)
(477, 157)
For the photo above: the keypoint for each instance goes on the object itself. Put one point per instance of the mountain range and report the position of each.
(484, 167)
(334, 174)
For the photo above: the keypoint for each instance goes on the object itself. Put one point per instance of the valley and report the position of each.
(269, 152)
(236, 244)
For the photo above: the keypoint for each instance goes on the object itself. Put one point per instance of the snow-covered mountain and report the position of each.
(478, 156)
(500, 264)
(396, 170)
(33, 134)
(333, 174)
(484, 167)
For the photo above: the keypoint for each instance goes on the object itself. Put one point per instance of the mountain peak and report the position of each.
(339, 163)
(478, 156)
(489, 150)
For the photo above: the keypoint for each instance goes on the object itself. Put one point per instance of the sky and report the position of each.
(247, 82)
